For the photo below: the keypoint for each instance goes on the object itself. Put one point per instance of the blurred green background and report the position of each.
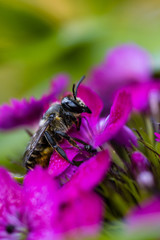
(40, 38)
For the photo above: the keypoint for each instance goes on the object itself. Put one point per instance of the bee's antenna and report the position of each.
(73, 91)
(75, 95)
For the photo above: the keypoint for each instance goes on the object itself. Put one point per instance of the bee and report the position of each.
(53, 128)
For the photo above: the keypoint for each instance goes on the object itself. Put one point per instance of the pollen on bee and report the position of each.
(45, 156)
(46, 151)
(57, 118)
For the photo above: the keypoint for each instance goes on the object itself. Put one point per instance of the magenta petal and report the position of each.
(10, 192)
(92, 100)
(119, 115)
(123, 65)
(91, 172)
(128, 63)
(59, 84)
(145, 216)
(143, 92)
(140, 95)
(42, 234)
(82, 214)
(57, 164)
(39, 194)
(27, 113)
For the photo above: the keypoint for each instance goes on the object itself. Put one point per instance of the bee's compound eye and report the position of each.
(71, 105)
(74, 106)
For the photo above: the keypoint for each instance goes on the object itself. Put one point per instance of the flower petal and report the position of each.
(128, 63)
(27, 113)
(42, 234)
(145, 216)
(76, 214)
(91, 172)
(59, 84)
(141, 94)
(10, 192)
(126, 137)
(39, 194)
(158, 136)
(139, 161)
(92, 100)
(119, 114)
(57, 164)
(123, 65)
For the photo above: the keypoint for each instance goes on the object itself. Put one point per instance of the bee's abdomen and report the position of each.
(41, 155)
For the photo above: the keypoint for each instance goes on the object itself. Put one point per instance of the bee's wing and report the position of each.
(35, 139)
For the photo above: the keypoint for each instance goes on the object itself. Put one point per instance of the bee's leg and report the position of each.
(73, 141)
(79, 123)
(68, 138)
(29, 132)
(87, 146)
(55, 146)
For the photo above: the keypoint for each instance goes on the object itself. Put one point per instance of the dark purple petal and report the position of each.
(79, 215)
(139, 161)
(126, 137)
(59, 84)
(119, 115)
(27, 113)
(91, 172)
(145, 216)
(10, 193)
(67, 174)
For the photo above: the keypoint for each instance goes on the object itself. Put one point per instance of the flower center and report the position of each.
(10, 228)
(21, 233)
(14, 227)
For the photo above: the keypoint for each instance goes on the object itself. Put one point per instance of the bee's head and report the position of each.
(74, 104)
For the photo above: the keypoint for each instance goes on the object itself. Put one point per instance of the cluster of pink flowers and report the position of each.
(63, 200)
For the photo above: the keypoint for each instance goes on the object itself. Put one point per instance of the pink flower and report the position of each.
(27, 113)
(41, 210)
(123, 65)
(26, 212)
(146, 216)
(144, 93)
